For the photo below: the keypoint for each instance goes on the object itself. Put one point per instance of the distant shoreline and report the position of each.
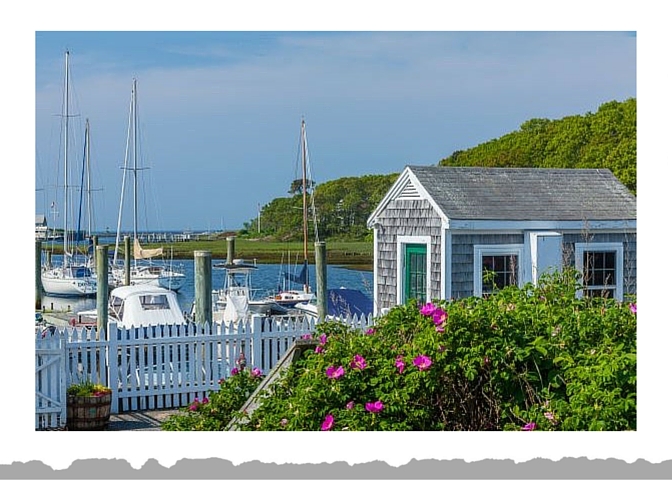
(351, 255)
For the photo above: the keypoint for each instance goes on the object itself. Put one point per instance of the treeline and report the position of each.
(604, 139)
(339, 208)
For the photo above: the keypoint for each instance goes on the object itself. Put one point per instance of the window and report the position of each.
(415, 281)
(154, 302)
(496, 267)
(601, 265)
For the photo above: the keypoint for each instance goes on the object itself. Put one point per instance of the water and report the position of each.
(265, 280)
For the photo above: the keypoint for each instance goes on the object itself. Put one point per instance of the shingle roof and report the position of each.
(468, 193)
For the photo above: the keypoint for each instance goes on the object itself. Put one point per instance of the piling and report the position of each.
(127, 260)
(102, 288)
(38, 275)
(321, 278)
(203, 287)
(230, 249)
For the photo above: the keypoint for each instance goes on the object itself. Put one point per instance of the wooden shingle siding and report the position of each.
(463, 258)
(406, 218)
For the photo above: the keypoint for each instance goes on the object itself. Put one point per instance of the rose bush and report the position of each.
(527, 359)
(217, 409)
(531, 358)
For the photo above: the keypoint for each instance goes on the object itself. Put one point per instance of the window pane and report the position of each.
(599, 273)
(500, 270)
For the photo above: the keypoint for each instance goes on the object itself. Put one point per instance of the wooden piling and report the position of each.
(38, 275)
(203, 286)
(321, 278)
(127, 260)
(102, 288)
(230, 249)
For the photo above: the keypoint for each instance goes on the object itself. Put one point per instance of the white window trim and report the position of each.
(581, 248)
(481, 250)
(402, 241)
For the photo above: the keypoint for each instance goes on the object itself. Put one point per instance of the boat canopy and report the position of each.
(144, 305)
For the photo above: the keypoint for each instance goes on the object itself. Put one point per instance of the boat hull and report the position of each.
(55, 283)
(159, 278)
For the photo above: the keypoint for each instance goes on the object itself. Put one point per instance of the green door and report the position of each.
(415, 272)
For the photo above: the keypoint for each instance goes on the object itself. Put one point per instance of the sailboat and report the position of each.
(144, 269)
(288, 297)
(70, 278)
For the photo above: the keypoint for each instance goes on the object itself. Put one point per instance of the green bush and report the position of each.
(522, 359)
(218, 408)
(531, 358)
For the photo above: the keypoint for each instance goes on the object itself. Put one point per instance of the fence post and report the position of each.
(257, 339)
(113, 364)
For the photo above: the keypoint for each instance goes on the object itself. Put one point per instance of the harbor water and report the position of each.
(265, 281)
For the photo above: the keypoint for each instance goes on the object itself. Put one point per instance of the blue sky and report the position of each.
(220, 112)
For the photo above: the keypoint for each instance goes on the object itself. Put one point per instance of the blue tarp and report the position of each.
(345, 301)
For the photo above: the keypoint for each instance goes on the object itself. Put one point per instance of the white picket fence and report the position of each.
(158, 367)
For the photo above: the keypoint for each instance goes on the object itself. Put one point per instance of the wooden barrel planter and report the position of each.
(88, 412)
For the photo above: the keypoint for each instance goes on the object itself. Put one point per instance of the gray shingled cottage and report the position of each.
(439, 229)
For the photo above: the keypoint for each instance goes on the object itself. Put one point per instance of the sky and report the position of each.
(220, 112)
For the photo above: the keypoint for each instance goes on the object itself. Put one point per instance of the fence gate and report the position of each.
(50, 397)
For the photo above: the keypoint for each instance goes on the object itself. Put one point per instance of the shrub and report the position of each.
(531, 358)
(217, 409)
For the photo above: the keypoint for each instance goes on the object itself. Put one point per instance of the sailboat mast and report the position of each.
(135, 159)
(305, 204)
(66, 113)
(88, 180)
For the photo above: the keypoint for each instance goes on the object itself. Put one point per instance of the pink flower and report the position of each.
(323, 339)
(423, 362)
(550, 417)
(234, 371)
(283, 422)
(335, 372)
(529, 426)
(428, 309)
(328, 422)
(350, 405)
(307, 336)
(633, 308)
(399, 363)
(374, 407)
(440, 329)
(370, 331)
(221, 380)
(193, 407)
(319, 349)
(256, 372)
(439, 316)
(358, 362)
(205, 400)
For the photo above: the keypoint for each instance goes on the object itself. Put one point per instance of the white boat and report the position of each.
(70, 278)
(148, 266)
(288, 297)
(236, 300)
(141, 306)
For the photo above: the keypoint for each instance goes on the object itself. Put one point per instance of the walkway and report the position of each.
(146, 420)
